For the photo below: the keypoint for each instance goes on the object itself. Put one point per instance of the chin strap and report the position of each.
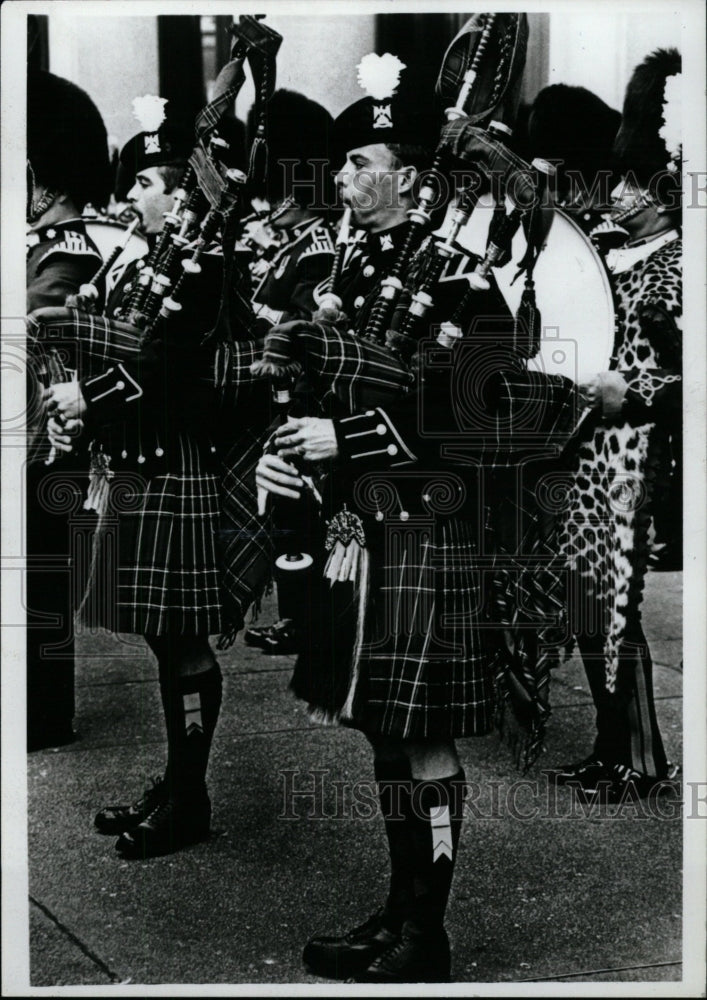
(36, 209)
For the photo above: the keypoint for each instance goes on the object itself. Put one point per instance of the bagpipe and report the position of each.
(480, 75)
(372, 360)
(208, 207)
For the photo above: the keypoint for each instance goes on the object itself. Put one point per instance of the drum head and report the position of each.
(106, 234)
(572, 291)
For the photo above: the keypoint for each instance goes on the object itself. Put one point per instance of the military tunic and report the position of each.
(286, 289)
(60, 258)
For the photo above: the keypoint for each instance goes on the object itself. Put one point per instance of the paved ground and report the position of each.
(558, 895)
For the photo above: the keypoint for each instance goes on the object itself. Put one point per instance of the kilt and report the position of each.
(425, 671)
(154, 568)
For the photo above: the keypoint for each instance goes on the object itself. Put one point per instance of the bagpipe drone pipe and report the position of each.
(375, 359)
(188, 293)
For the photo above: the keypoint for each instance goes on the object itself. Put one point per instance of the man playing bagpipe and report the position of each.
(158, 550)
(394, 644)
(67, 168)
(160, 402)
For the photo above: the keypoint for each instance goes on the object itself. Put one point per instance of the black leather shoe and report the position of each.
(341, 957)
(277, 639)
(118, 819)
(626, 784)
(585, 772)
(414, 958)
(50, 736)
(169, 827)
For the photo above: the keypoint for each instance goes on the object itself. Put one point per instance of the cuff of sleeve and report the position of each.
(370, 439)
(272, 316)
(111, 389)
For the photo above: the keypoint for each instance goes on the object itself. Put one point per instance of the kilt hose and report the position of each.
(155, 568)
(425, 671)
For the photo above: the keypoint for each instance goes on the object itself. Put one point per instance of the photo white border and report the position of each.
(15, 956)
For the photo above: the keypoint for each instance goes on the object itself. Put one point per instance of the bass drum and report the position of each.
(572, 291)
(107, 234)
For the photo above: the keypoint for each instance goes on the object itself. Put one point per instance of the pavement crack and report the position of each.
(105, 969)
(599, 972)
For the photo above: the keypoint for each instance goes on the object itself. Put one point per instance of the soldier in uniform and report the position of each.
(625, 450)
(148, 437)
(300, 191)
(68, 168)
(418, 672)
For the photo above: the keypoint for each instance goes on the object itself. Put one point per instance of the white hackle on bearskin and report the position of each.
(671, 130)
(149, 111)
(379, 76)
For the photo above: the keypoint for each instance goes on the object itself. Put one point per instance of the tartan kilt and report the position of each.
(154, 567)
(426, 668)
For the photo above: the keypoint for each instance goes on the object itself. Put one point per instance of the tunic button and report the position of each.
(392, 449)
(368, 271)
(51, 233)
(358, 301)
(380, 429)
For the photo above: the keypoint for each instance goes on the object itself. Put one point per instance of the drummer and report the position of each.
(575, 129)
(636, 407)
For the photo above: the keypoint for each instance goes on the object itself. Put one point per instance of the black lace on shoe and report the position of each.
(112, 819)
(372, 925)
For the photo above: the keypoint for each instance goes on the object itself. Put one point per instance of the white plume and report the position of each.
(379, 75)
(149, 111)
(671, 130)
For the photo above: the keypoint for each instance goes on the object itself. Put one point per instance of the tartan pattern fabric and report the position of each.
(232, 78)
(244, 541)
(91, 341)
(155, 567)
(357, 372)
(500, 68)
(424, 671)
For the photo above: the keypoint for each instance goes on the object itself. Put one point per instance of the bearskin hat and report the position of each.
(574, 126)
(640, 147)
(67, 145)
(299, 131)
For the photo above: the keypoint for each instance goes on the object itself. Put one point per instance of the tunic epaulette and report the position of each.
(71, 244)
